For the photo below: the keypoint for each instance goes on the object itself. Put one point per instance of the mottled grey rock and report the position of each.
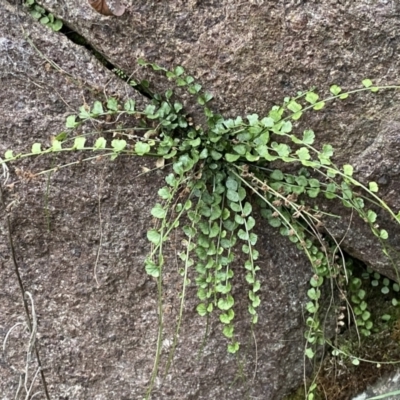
(99, 341)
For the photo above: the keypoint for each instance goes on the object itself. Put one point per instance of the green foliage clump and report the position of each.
(44, 17)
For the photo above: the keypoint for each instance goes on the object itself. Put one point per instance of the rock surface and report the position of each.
(251, 54)
(99, 341)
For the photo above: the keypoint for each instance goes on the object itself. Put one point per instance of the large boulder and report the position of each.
(79, 236)
(252, 54)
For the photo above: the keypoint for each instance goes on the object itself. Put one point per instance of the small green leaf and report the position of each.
(35, 14)
(250, 223)
(253, 119)
(385, 290)
(57, 25)
(250, 278)
(386, 281)
(36, 148)
(79, 142)
(215, 155)
(70, 122)
(232, 157)
(181, 82)
(129, 106)
(308, 136)
(154, 236)
(252, 157)
(100, 143)
(311, 307)
(297, 116)
(277, 175)
(319, 106)
(309, 352)
(355, 361)
(335, 89)
(226, 303)
(367, 83)
(179, 70)
(294, 106)
(112, 104)
(253, 239)
(149, 111)
(207, 97)
(314, 294)
(97, 108)
(232, 195)
(256, 302)
(152, 269)
(371, 216)
(240, 149)
(239, 219)
(246, 209)
(311, 97)
(383, 234)
(286, 127)
(228, 331)
(373, 187)
(61, 136)
(202, 309)
(193, 89)
(313, 193)
(303, 154)
(366, 315)
(256, 286)
(327, 151)
(231, 184)
(243, 235)
(44, 20)
(227, 317)
(118, 144)
(164, 193)
(83, 113)
(8, 154)
(316, 281)
(158, 211)
(142, 148)
(348, 170)
(233, 348)
(56, 145)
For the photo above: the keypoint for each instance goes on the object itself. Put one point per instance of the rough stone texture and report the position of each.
(251, 54)
(98, 342)
(385, 385)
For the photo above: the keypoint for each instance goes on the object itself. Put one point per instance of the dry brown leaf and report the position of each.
(160, 162)
(102, 7)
